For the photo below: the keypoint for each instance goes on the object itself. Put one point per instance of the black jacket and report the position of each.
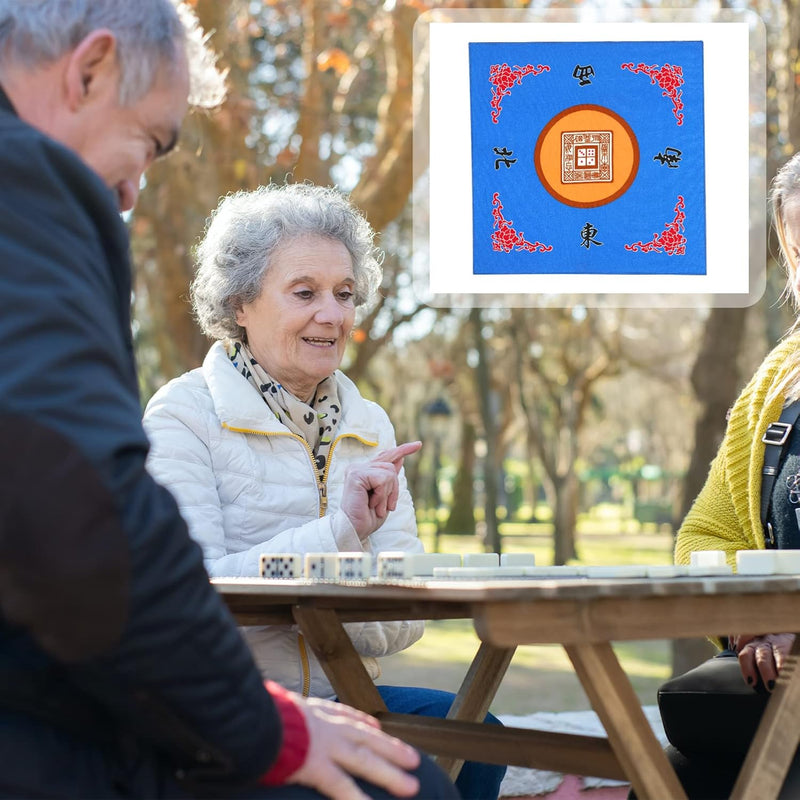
(104, 600)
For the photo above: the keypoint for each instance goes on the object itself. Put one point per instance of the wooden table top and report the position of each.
(511, 612)
(507, 589)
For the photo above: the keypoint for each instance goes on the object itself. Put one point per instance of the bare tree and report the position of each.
(559, 355)
(289, 71)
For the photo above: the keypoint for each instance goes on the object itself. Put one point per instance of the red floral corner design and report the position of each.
(671, 238)
(505, 238)
(502, 77)
(669, 78)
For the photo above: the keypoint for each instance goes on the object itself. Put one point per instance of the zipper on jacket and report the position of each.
(322, 489)
(333, 447)
(322, 483)
(301, 646)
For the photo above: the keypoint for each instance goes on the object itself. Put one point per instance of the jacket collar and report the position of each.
(5, 103)
(238, 405)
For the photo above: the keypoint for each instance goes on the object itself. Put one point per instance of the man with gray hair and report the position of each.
(121, 672)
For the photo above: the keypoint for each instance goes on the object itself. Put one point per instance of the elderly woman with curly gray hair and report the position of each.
(268, 446)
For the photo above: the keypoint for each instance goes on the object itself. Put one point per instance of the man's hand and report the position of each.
(762, 656)
(344, 742)
(371, 489)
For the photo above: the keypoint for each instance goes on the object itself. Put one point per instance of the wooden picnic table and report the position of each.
(584, 616)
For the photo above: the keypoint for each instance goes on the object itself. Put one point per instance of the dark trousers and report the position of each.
(40, 761)
(706, 778)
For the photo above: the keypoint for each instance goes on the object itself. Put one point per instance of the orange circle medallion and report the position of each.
(586, 156)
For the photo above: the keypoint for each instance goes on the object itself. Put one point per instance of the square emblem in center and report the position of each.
(586, 157)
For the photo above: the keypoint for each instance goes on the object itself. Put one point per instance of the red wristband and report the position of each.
(295, 741)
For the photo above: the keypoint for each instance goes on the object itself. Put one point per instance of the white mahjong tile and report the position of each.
(279, 565)
(479, 573)
(320, 566)
(395, 565)
(709, 570)
(562, 571)
(787, 562)
(707, 558)
(617, 571)
(517, 560)
(667, 570)
(481, 560)
(472, 573)
(354, 566)
(425, 563)
(756, 562)
(510, 571)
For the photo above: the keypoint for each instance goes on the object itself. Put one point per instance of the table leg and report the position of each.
(328, 639)
(477, 691)
(776, 739)
(628, 730)
(332, 646)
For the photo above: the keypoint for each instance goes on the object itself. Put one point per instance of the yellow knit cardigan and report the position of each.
(725, 515)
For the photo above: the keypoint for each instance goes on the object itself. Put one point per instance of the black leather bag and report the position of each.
(710, 710)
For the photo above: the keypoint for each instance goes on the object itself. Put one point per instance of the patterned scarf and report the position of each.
(314, 422)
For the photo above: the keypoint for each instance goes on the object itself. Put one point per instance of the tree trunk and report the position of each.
(688, 653)
(462, 511)
(564, 517)
(715, 381)
(483, 380)
(530, 488)
(213, 159)
(316, 98)
(387, 178)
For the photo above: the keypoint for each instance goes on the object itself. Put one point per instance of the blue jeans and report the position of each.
(476, 781)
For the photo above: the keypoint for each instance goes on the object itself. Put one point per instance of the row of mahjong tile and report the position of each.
(390, 565)
(403, 566)
(751, 562)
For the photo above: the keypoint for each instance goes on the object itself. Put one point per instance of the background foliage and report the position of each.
(552, 412)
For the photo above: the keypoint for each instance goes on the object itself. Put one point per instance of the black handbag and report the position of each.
(710, 710)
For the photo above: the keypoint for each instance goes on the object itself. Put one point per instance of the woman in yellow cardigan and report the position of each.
(726, 514)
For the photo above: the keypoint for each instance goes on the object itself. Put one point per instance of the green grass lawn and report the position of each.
(540, 677)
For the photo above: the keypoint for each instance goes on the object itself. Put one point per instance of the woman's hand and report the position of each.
(344, 742)
(762, 656)
(371, 489)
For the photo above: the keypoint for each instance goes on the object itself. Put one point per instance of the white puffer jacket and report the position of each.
(246, 485)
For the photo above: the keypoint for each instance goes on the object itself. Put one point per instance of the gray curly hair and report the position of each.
(245, 230)
(786, 188)
(149, 34)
